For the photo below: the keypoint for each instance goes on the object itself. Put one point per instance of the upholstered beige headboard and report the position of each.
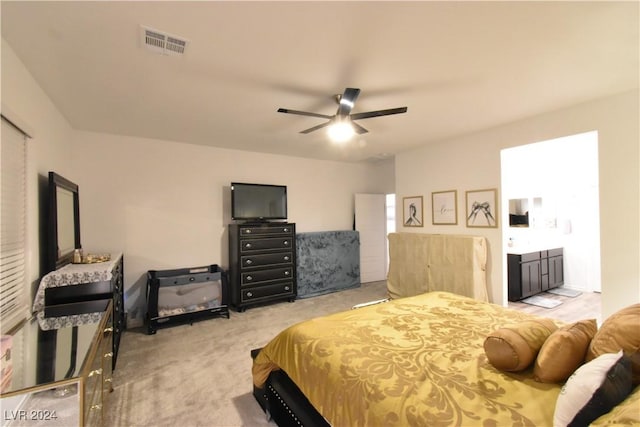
(420, 263)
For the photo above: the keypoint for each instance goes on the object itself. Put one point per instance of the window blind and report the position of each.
(13, 237)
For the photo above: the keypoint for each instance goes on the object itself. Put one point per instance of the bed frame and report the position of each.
(284, 403)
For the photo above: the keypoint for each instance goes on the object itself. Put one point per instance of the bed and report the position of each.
(412, 361)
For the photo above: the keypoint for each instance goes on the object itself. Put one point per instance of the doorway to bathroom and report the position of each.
(551, 191)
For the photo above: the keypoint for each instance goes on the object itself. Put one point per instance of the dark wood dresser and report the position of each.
(60, 368)
(262, 263)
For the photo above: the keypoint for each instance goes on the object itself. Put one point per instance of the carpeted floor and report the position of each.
(200, 374)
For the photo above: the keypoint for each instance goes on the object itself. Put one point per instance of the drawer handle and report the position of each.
(95, 372)
(286, 288)
(248, 262)
(248, 245)
(249, 278)
(286, 243)
(247, 231)
(286, 273)
(286, 230)
(249, 294)
(108, 380)
(286, 258)
(94, 407)
(109, 329)
(110, 354)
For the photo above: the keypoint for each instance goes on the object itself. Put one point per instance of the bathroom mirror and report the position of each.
(519, 212)
(63, 225)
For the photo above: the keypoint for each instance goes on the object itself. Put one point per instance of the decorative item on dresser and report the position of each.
(533, 272)
(73, 288)
(262, 263)
(61, 368)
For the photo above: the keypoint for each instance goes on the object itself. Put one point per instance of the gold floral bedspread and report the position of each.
(414, 361)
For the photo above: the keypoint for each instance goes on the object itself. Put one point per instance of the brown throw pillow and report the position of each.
(514, 347)
(564, 351)
(621, 331)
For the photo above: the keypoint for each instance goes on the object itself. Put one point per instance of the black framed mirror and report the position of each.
(63, 222)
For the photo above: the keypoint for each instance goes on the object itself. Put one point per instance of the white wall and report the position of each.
(166, 204)
(473, 162)
(49, 149)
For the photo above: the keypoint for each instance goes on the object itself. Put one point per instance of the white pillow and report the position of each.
(593, 390)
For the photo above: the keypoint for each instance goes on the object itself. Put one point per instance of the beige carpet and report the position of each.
(200, 374)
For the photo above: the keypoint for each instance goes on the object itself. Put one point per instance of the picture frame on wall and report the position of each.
(444, 207)
(412, 211)
(482, 209)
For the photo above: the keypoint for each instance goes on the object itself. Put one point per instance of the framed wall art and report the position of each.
(412, 211)
(482, 209)
(444, 207)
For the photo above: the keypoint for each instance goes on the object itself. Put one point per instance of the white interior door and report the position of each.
(371, 224)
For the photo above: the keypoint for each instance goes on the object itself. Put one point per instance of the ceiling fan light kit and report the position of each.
(341, 131)
(341, 126)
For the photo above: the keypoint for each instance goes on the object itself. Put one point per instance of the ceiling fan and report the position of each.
(343, 117)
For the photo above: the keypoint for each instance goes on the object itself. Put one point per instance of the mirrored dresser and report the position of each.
(56, 367)
(56, 371)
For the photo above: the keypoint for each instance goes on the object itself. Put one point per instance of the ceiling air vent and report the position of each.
(162, 43)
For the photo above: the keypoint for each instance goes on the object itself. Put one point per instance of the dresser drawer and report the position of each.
(275, 243)
(77, 293)
(279, 289)
(261, 231)
(93, 416)
(249, 261)
(93, 386)
(260, 276)
(98, 379)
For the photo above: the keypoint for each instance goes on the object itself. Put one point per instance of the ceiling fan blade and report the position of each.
(358, 129)
(320, 126)
(303, 113)
(347, 101)
(378, 113)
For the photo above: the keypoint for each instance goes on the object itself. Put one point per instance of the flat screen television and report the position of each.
(258, 202)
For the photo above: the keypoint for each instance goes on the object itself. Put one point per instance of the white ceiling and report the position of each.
(459, 67)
